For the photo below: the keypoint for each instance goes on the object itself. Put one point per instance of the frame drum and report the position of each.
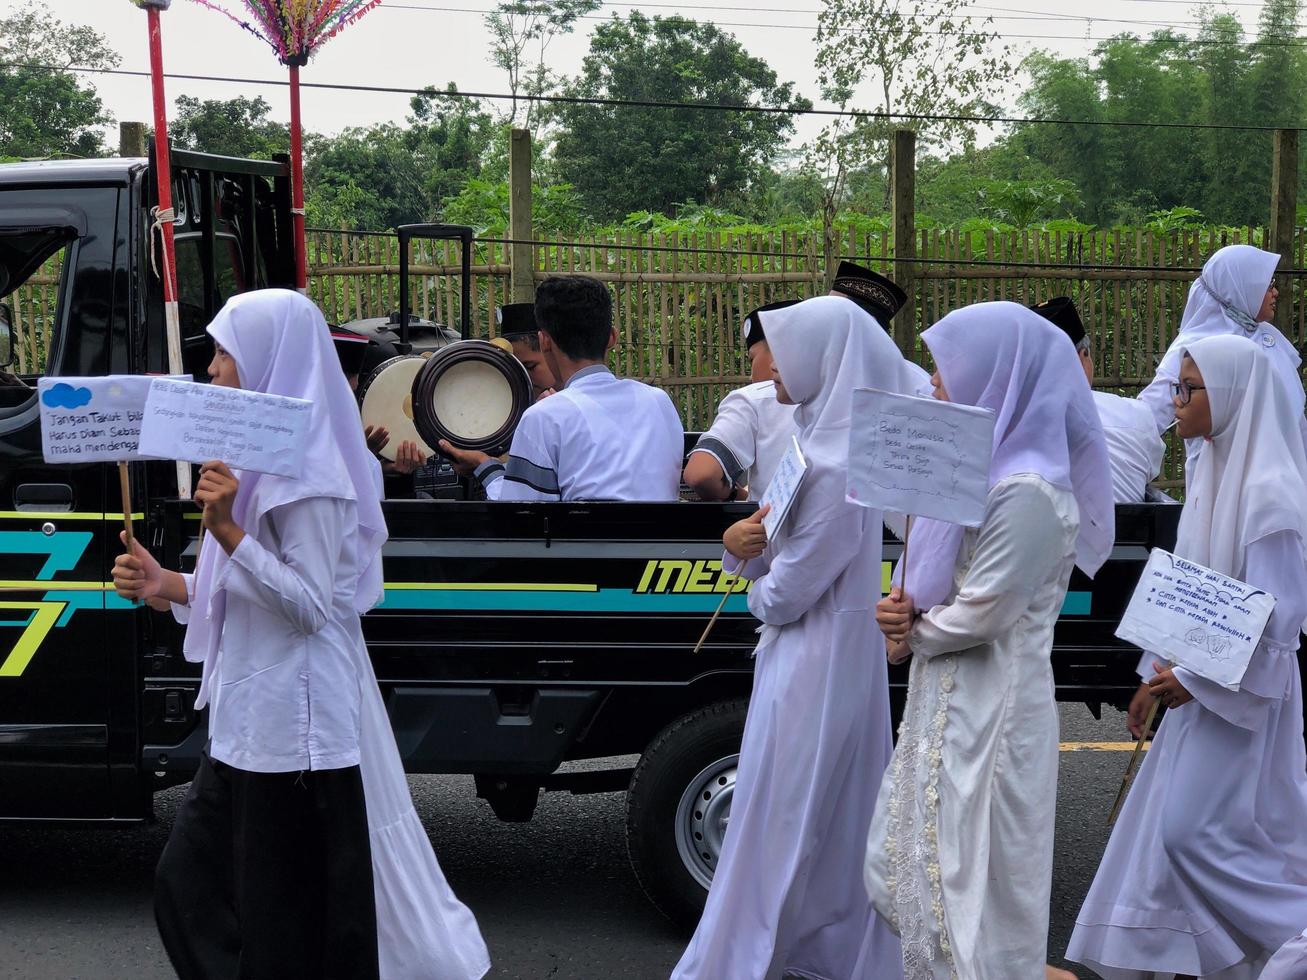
(387, 400)
(471, 394)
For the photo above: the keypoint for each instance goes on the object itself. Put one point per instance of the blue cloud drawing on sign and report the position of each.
(66, 396)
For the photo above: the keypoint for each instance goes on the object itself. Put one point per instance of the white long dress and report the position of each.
(785, 897)
(1206, 870)
(960, 854)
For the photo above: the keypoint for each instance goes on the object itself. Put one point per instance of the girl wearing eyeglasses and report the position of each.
(1205, 874)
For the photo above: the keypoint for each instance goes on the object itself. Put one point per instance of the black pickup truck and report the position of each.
(513, 639)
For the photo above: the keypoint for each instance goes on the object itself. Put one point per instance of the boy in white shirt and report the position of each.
(599, 437)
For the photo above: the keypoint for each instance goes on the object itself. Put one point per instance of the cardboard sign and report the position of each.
(920, 456)
(783, 487)
(245, 429)
(92, 420)
(1202, 620)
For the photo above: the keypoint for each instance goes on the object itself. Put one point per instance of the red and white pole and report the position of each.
(163, 218)
(297, 181)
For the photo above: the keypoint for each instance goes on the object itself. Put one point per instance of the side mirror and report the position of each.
(6, 335)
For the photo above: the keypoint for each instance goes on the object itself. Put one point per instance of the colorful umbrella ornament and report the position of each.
(295, 29)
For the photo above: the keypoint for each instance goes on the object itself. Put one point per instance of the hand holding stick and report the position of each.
(125, 486)
(745, 540)
(1144, 732)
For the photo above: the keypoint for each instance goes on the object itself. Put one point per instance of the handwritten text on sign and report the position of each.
(92, 420)
(1200, 619)
(244, 429)
(919, 456)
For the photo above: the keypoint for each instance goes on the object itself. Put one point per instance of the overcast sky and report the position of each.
(413, 43)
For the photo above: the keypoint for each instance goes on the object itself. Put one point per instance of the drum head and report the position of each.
(471, 394)
(386, 398)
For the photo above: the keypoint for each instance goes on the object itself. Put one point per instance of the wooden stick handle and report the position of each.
(907, 534)
(125, 485)
(1134, 761)
(712, 622)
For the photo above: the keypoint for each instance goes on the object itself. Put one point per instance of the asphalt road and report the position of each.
(555, 897)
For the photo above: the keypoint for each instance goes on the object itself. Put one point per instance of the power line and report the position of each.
(1276, 40)
(983, 12)
(657, 104)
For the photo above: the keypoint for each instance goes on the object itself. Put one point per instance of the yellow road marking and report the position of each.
(1099, 746)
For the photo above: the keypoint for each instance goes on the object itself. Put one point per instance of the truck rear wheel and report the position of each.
(678, 805)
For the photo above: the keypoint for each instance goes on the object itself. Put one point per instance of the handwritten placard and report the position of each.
(245, 429)
(92, 420)
(919, 456)
(783, 488)
(1202, 620)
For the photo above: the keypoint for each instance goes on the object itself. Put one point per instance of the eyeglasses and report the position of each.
(1184, 390)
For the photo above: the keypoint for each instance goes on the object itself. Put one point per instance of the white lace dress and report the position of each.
(960, 854)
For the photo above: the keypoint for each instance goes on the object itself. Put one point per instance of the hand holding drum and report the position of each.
(470, 396)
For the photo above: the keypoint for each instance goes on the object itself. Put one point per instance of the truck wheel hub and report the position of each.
(701, 818)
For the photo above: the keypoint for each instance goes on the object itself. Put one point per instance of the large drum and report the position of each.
(471, 394)
(386, 397)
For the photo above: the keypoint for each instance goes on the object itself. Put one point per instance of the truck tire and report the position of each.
(677, 806)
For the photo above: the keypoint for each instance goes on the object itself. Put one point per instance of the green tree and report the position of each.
(237, 127)
(622, 159)
(44, 109)
(898, 56)
(483, 204)
(520, 32)
(381, 176)
(1126, 173)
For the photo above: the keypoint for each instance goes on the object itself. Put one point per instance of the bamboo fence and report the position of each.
(678, 299)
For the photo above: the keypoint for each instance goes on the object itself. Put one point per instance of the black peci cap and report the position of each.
(753, 332)
(515, 319)
(350, 348)
(1062, 313)
(879, 296)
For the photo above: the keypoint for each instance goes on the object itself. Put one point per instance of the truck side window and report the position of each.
(32, 265)
(192, 305)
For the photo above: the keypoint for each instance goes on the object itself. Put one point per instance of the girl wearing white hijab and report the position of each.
(817, 735)
(960, 853)
(1235, 295)
(297, 852)
(1206, 871)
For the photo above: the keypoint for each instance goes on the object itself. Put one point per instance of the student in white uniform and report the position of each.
(1134, 446)
(517, 325)
(1234, 295)
(817, 735)
(297, 852)
(600, 437)
(751, 432)
(960, 854)
(1205, 873)
(745, 438)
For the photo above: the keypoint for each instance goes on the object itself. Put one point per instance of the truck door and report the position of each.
(67, 644)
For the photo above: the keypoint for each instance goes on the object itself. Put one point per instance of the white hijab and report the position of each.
(1248, 482)
(1224, 301)
(824, 348)
(282, 346)
(1003, 357)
